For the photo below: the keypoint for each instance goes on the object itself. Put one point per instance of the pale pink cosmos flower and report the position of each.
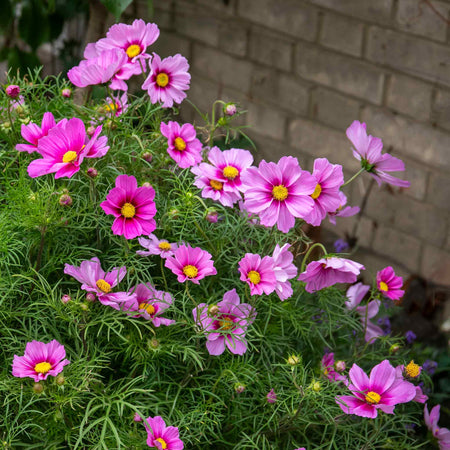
(12, 90)
(431, 421)
(271, 396)
(156, 246)
(389, 284)
(284, 270)
(132, 39)
(132, 206)
(115, 105)
(191, 263)
(329, 178)
(161, 436)
(259, 273)
(100, 69)
(40, 360)
(94, 279)
(151, 303)
(64, 149)
(33, 132)
(183, 146)
(355, 294)
(225, 324)
(342, 210)
(278, 192)
(382, 390)
(168, 80)
(367, 150)
(328, 271)
(329, 371)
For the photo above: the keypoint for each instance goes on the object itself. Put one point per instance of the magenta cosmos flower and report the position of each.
(33, 132)
(183, 146)
(329, 178)
(12, 90)
(64, 149)
(431, 421)
(160, 436)
(151, 303)
(225, 323)
(259, 273)
(284, 270)
(382, 390)
(156, 246)
(389, 284)
(168, 80)
(95, 280)
(132, 39)
(342, 210)
(328, 271)
(367, 150)
(329, 371)
(191, 264)
(355, 294)
(132, 207)
(40, 360)
(278, 192)
(100, 69)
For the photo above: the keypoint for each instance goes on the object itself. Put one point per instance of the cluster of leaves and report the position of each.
(121, 365)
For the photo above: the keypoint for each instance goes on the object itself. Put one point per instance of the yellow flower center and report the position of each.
(69, 156)
(112, 106)
(103, 285)
(133, 50)
(412, 370)
(383, 286)
(317, 191)
(372, 398)
(147, 307)
(280, 192)
(190, 271)
(179, 144)
(164, 246)
(254, 276)
(216, 185)
(230, 172)
(162, 79)
(162, 442)
(128, 210)
(42, 367)
(226, 323)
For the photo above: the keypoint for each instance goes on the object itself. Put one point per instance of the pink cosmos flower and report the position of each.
(64, 149)
(33, 132)
(328, 369)
(342, 210)
(382, 390)
(95, 280)
(151, 303)
(12, 90)
(328, 271)
(389, 284)
(284, 270)
(115, 105)
(225, 323)
(368, 151)
(259, 273)
(168, 80)
(409, 372)
(355, 294)
(191, 264)
(132, 206)
(100, 69)
(431, 421)
(132, 39)
(278, 192)
(161, 436)
(183, 146)
(156, 246)
(329, 178)
(40, 360)
(271, 396)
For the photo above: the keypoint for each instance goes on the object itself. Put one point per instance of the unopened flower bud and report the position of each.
(271, 396)
(213, 310)
(92, 172)
(230, 109)
(84, 306)
(38, 388)
(239, 388)
(147, 156)
(174, 213)
(212, 216)
(137, 417)
(13, 90)
(90, 297)
(66, 298)
(154, 343)
(60, 380)
(293, 360)
(222, 121)
(66, 92)
(90, 130)
(146, 184)
(340, 366)
(316, 386)
(394, 348)
(65, 200)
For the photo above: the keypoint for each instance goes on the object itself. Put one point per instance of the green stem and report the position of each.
(353, 177)
(139, 141)
(317, 244)
(190, 296)
(163, 275)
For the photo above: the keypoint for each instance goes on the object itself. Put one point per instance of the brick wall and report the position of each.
(305, 69)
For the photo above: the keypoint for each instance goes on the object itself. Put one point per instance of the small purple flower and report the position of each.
(430, 366)
(271, 396)
(340, 245)
(385, 323)
(410, 336)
